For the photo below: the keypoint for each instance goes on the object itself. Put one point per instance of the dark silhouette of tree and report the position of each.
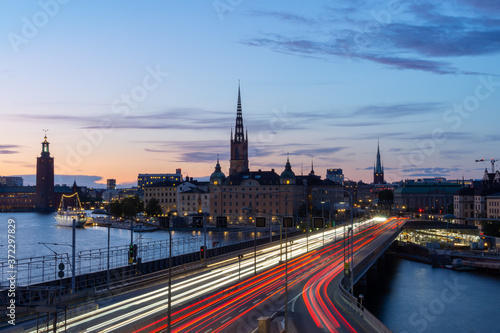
(153, 208)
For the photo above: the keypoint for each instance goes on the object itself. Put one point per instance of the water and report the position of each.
(414, 297)
(32, 229)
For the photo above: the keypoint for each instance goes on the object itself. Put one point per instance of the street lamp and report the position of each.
(170, 282)
(323, 217)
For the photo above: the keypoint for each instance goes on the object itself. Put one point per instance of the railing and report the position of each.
(46, 268)
(361, 310)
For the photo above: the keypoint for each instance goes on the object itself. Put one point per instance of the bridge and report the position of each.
(225, 293)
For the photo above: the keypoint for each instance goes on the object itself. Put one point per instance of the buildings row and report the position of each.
(243, 194)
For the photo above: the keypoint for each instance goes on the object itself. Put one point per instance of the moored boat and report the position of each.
(67, 214)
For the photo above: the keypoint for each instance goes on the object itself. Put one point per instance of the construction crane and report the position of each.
(493, 160)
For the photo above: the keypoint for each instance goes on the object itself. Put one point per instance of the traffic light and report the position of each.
(61, 270)
(260, 222)
(134, 251)
(131, 253)
(202, 252)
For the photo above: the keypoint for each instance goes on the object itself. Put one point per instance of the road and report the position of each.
(228, 297)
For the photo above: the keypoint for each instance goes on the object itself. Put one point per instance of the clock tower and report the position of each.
(239, 144)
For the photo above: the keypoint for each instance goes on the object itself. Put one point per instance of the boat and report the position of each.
(144, 228)
(66, 214)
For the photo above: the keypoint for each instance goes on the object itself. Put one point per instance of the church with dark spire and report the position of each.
(239, 144)
(378, 169)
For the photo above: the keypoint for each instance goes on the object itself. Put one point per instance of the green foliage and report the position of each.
(128, 207)
(153, 207)
(115, 208)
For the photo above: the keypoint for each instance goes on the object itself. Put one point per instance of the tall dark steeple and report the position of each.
(239, 143)
(45, 179)
(378, 169)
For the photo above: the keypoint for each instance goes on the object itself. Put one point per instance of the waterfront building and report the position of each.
(45, 200)
(193, 197)
(166, 193)
(145, 179)
(10, 181)
(245, 195)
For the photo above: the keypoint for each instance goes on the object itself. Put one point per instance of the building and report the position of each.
(10, 181)
(193, 198)
(463, 203)
(335, 175)
(166, 193)
(245, 195)
(493, 206)
(111, 184)
(426, 197)
(45, 200)
(378, 169)
(145, 179)
(44, 197)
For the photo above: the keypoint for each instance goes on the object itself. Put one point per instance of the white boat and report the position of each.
(66, 214)
(66, 217)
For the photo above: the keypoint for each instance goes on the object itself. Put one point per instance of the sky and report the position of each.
(127, 87)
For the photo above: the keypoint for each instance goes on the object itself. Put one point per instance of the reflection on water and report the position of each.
(414, 297)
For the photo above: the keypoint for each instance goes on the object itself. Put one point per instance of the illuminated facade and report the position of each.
(145, 179)
(166, 193)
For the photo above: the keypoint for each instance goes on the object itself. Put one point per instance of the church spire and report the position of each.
(239, 135)
(239, 143)
(378, 170)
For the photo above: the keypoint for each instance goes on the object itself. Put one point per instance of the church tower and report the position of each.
(378, 169)
(239, 144)
(45, 179)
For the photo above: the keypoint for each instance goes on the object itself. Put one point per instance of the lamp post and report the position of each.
(170, 282)
(323, 217)
(351, 240)
(286, 267)
(73, 247)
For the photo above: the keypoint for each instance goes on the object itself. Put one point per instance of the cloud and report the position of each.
(436, 31)
(292, 18)
(81, 180)
(429, 172)
(399, 110)
(9, 149)
(318, 152)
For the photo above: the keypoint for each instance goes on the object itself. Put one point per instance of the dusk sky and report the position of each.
(128, 87)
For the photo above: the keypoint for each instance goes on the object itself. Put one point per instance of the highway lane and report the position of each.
(237, 309)
(133, 313)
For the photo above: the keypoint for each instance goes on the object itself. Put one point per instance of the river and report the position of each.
(409, 296)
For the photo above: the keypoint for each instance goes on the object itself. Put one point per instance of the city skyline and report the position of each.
(151, 88)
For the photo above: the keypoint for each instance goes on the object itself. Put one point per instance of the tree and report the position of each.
(130, 207)
(153, 208)
(115, 208)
